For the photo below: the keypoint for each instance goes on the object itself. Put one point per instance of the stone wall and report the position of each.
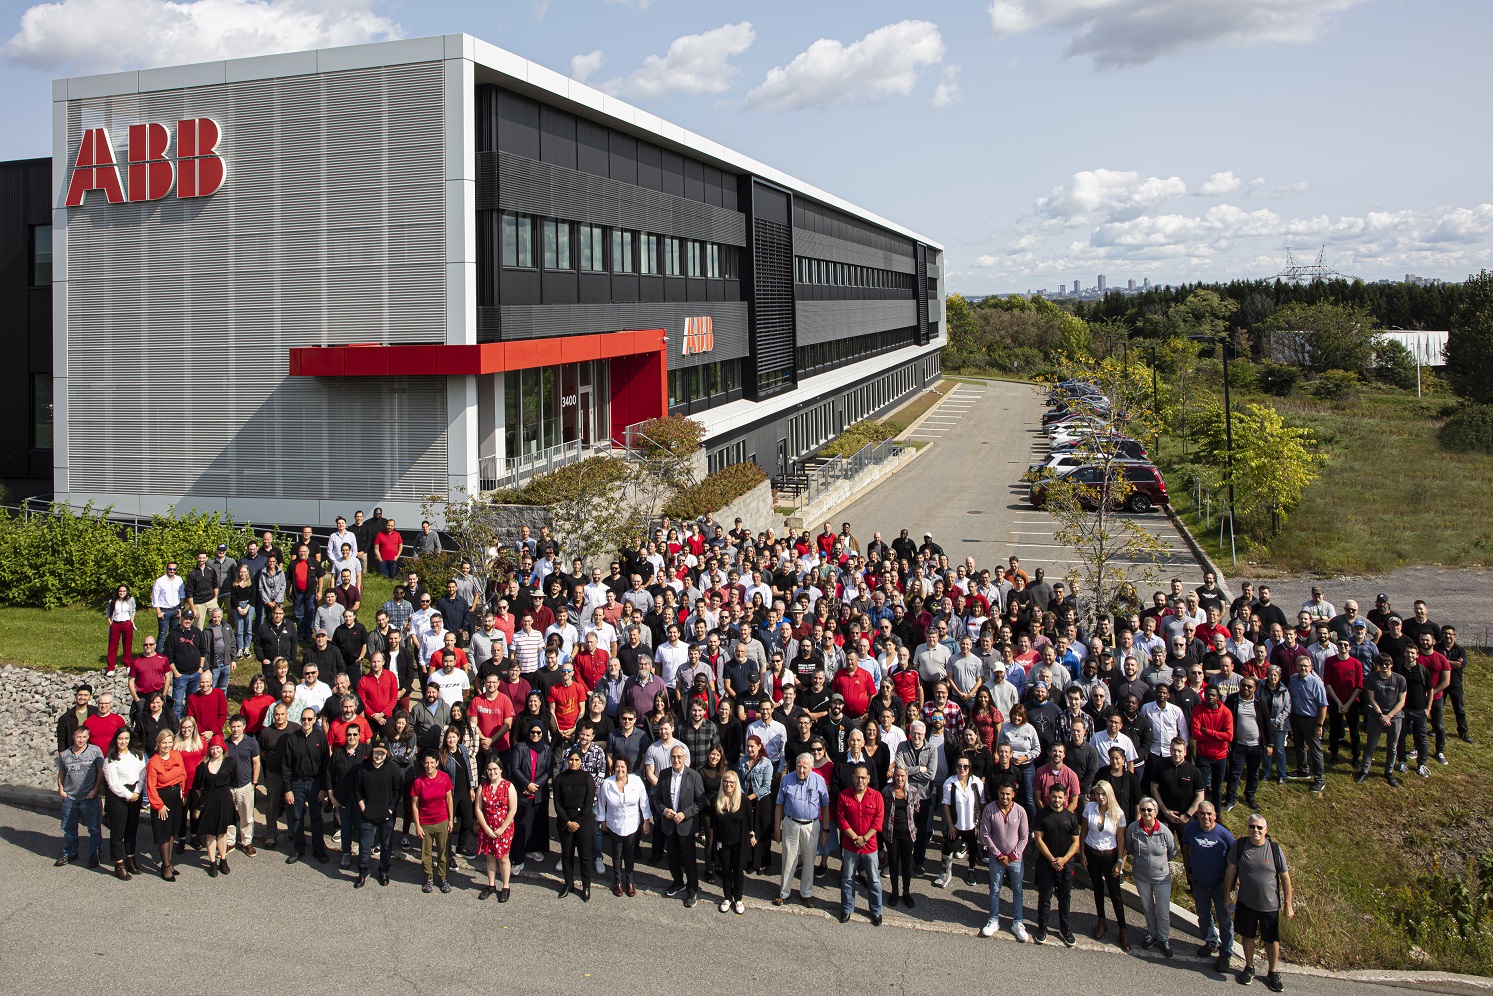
(30, 702)
(754, 507)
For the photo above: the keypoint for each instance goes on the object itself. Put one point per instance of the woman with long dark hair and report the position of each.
(120, 614)
(453, 760)
(243, 599)
(497, 805)
(213, 784)
(712, 772)
(755, 771)
(123, 771)
(622, 812)
(404, 754)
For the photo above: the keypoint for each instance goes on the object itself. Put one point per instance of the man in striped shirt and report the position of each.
(528, 644)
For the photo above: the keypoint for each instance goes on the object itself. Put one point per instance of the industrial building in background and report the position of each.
(290, 286)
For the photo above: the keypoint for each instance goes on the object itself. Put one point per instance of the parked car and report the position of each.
(1147, 486)
(1123, 446)
(1059, 462)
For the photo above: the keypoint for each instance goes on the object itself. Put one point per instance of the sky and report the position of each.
(1039, 141)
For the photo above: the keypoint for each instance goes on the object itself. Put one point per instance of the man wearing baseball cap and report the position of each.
(376, 792)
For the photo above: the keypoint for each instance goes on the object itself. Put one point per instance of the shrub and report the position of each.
(594, 474)
(715, 492)
(1469, 428)
(1278, 379)
(1394, 364)
(853, 439)
(1334, 385)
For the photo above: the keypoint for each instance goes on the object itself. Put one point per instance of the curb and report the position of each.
(1197, 551)
(902, 436)
(30, 797)
(852, 499)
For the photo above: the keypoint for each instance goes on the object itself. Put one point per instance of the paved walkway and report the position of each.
(967, 488)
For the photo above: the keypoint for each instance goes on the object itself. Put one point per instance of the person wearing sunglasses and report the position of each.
(1257, 865)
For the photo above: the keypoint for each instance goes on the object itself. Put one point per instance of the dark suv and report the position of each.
(1147, 487)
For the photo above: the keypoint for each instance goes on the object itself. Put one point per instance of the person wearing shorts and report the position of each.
(1257, 865)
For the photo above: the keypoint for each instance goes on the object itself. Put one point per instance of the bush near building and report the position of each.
(715, 492)
(860, 435)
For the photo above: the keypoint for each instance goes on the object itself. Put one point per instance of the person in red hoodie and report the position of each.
(1342, 673)
(209, 707)
(855, 684)
(378, 690)
(1213, 733)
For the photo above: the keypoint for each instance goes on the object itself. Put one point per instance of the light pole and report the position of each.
(1228, 432)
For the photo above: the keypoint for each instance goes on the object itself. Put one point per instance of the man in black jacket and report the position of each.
(303, 763)
(325, 656)
(275, 637)
(455, 611)
(351, 641)
(377, 792)
(679, 796)
(342, 770)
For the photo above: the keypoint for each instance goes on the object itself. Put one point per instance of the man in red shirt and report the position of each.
(856, 685)
(104, 724)
(386, 548)
(1213, 732)
(567, 699)
(1435, 662)
(1213, 625)
(860, 813)
(337, 729)
(591, 662)
(1342, 673)
(378, 690)
(514, 686)
(147, 673)
(209, 707)
(494, 714)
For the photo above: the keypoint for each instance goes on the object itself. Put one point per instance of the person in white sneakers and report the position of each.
(1004, 833)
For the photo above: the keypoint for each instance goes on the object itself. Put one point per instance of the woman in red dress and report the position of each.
(497, 805)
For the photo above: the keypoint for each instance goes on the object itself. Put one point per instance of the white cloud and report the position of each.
(583, 66)
(1100, 195)
(1120, 33)
(881, 65)
(986, 261)
(947, 92)
(87, 36)
(693, 64)
(1221, 183)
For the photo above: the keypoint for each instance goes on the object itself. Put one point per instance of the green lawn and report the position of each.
(1388, 496)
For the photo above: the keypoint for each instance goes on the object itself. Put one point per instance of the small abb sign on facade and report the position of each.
(699, 335)
(196, 170)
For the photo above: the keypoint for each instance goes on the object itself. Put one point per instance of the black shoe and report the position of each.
(445, 886)
(223, 866)
(428, 887)
(1149, 942)
(1254, 806)
(1166, 949)
(361, 881)
(820, 871)
(564, 890)
(1465, 738)
(1039, 937)
(843, 916)
(690, 899)
(1360, 776)
(484, 892)
(212, 870)
(674, 889)
(585, 893)
(93, 861)
(1221, 966)
(197, 840)
(383, 878)
(907, 901)
(323, 857)
(1246, 976)
(292, 857)
(503, 895)
(61, 860)
(1393, 781)
(876, 919)
(1273, 982)
(1206, 951)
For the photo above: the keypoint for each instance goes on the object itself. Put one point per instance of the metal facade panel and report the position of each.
(330, 228)
(728, 320)
(817, 246)
(556, 192)
(823, 321)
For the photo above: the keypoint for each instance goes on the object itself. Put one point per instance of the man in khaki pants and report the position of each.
(244, 750)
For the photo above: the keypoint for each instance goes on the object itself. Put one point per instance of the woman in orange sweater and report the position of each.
(165, 779)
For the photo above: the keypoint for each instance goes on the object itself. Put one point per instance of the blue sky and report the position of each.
(1041, 141)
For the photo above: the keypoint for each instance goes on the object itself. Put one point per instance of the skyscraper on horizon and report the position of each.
(1101, 283)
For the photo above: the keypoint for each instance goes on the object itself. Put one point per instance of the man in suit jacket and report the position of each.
(680, 797)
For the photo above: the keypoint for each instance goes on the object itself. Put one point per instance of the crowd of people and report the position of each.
(743, 704)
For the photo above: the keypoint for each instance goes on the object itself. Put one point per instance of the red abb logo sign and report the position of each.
(197, 169)
(699, 335)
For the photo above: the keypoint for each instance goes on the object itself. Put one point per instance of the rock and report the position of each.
(30, 702)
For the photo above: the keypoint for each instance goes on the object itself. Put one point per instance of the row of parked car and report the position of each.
(1082, 440)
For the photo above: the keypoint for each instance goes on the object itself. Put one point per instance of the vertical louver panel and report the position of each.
(772, 267)
(924, 335)
(329, 229)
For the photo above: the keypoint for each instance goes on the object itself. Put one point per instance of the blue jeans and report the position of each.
(304, 802)
(1214, 772)
(1010, 875)
(181, 687)
(1277, 764)
(1028, 791)
(371, 835)
(304, 610)
(164, 624)
(387, 568)
(220, 677)
(88, 811)
(1213, 916)
(849, 862)
(243, 628)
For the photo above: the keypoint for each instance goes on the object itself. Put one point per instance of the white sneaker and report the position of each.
(601, 867)
(725, 906)
(941, 881)
(991, 926)
(1018, 931)
(560, 865)
(518, 869)
(337, 837)
(1423, 771)
(739, 907)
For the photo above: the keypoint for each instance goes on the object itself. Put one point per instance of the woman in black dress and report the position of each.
(214, 779)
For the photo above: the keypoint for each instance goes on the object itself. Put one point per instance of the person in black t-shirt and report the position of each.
(1268, 611)
(1056, 837)
(1456, 655)
(1177, 784)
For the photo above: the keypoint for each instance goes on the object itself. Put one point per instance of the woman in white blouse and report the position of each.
(621, 812)
(1104, 855)
(124, 774)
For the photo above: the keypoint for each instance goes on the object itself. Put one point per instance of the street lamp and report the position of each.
(1228, 431)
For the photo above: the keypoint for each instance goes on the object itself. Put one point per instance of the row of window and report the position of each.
(838, 352)
(829, 273)
(732, 453)
(870, 398)
(530, 241)
(704, 382)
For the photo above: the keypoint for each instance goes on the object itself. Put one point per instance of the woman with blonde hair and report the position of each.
(165, 781)
(190, 746)
(1104, 856)
(734, 840)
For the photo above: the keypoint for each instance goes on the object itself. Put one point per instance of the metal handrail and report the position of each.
(834, 471)
(513, 471)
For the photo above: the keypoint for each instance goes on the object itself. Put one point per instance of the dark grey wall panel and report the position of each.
(818, 246)
(822, 321)
(728, 321)
(553, 191)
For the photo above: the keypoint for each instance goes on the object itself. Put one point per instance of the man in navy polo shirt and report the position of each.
(1208, 843)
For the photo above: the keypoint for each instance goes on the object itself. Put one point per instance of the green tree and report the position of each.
(1469, 344)
(1394, 364)
(1273, 463)
(1323, 336)
(1204, 312)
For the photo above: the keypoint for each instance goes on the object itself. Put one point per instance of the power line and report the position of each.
(1308, 273)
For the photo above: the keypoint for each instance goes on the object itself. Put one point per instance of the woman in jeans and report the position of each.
(243, 597)
(1104, 856)
(733, 840)
(1152, 846)
(404, 754)
(900, 833)
(123, 770)
(431, 799)
(755, 772)
(622, 811)
(1277, 700)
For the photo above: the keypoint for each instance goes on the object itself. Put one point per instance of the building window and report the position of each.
(557, 245)
(713, 261)
(696, 263)
(673, 258)
(593, 240)
(652, 254)
(41, 411)
(622, 251)
(731, 262)
(518, 239)
(724, 457)
(41, 256)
